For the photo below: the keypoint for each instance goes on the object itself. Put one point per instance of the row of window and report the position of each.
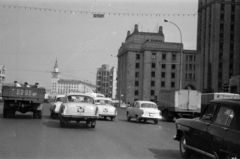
(153, 84)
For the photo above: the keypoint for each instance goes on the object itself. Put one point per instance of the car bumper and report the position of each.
(107, 115)
(151, 118)
(78, 117)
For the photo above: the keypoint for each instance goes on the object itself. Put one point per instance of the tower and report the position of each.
(55, 78)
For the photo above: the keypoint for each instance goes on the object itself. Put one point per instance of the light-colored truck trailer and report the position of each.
(179, 103)
(207, 97)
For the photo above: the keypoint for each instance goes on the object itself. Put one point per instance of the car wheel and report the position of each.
(112, 118)
(93, 123)
(62, 123)
(105, 118)
(145, 120)
(138, 119)
(52, 115)
(185, 152)
(128, 117)
(155, 121)
(228, 156)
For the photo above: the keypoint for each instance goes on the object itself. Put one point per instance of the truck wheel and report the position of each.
(39, 114)
(5, 113)
(185, 152)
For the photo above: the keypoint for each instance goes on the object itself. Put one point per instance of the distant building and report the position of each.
(63, 86)
(106, 81)
(147, 65)
(218, 43)
(2, 76)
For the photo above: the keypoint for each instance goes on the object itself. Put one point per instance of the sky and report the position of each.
(36, 33)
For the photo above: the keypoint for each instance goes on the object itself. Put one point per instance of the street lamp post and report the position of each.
(180, 76)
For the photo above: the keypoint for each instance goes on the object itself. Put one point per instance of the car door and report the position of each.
(198, 135)
(219, 127)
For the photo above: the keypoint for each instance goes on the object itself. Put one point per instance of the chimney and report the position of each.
(160, 31)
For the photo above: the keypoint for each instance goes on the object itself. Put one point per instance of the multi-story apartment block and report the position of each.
(2, 76)
(218, 43)
(106, 81)
(63, 86)
(147, 65)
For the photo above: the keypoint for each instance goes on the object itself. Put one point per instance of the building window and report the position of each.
(164, 56)
(163, 74)
(173, 75)
(137, 74)
(152, 83)
(173, 66)
(186, 57)
(152, 74)
(153, 65)
(137, 65)
(136, 93)
(152, 92)
(162, 83)
(174, 57)
(172, 84)
(190, 58)
(136, 83)
(163, 66)
(153, 55)
(137, 56)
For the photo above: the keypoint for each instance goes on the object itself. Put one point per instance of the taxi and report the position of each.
(78, 107)
(144, 111)
(106, 108)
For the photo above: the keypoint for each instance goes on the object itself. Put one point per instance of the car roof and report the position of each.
(231, 102)
(143, 101)
(60, 95)
(105, 98)
(84, 94)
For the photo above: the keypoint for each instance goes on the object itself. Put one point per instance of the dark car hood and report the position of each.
(185, 121)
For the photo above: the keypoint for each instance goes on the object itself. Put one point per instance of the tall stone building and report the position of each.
(2, 77)
(106, 81)
(147, 65)
(218, 43)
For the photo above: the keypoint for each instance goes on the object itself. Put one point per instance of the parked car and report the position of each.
(216, 133)
(106, 108)
(78, 107)
(55, 105)
(144, 110)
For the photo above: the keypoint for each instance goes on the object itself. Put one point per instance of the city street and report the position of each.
(22, 137)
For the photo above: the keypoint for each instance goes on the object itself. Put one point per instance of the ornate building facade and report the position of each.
(147, 65)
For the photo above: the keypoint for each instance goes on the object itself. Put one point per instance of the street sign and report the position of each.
(98, 15)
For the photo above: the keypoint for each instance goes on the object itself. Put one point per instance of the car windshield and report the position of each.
(148, 105)
(80, 99)
(59, 99)
(103, 102)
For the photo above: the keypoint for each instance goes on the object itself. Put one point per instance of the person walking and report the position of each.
(16, 84)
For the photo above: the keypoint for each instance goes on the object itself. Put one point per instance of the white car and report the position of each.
(78, 107)
(55, 106)
(106, 108)
(144, 110)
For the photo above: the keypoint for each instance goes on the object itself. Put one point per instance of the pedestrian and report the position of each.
(36, 85)
(16, 84)
(26, 84)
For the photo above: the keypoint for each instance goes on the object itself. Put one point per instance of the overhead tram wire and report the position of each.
(91, 12)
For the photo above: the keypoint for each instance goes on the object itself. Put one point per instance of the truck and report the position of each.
(22, 99)
(207, 97)
(179, 103)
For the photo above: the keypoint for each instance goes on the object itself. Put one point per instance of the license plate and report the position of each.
(151, 114)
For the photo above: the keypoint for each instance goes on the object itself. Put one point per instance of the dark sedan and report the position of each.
(216, 133)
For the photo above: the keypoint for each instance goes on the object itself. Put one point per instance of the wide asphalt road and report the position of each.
(22, 137)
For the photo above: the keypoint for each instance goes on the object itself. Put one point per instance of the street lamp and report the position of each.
(180, 76)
